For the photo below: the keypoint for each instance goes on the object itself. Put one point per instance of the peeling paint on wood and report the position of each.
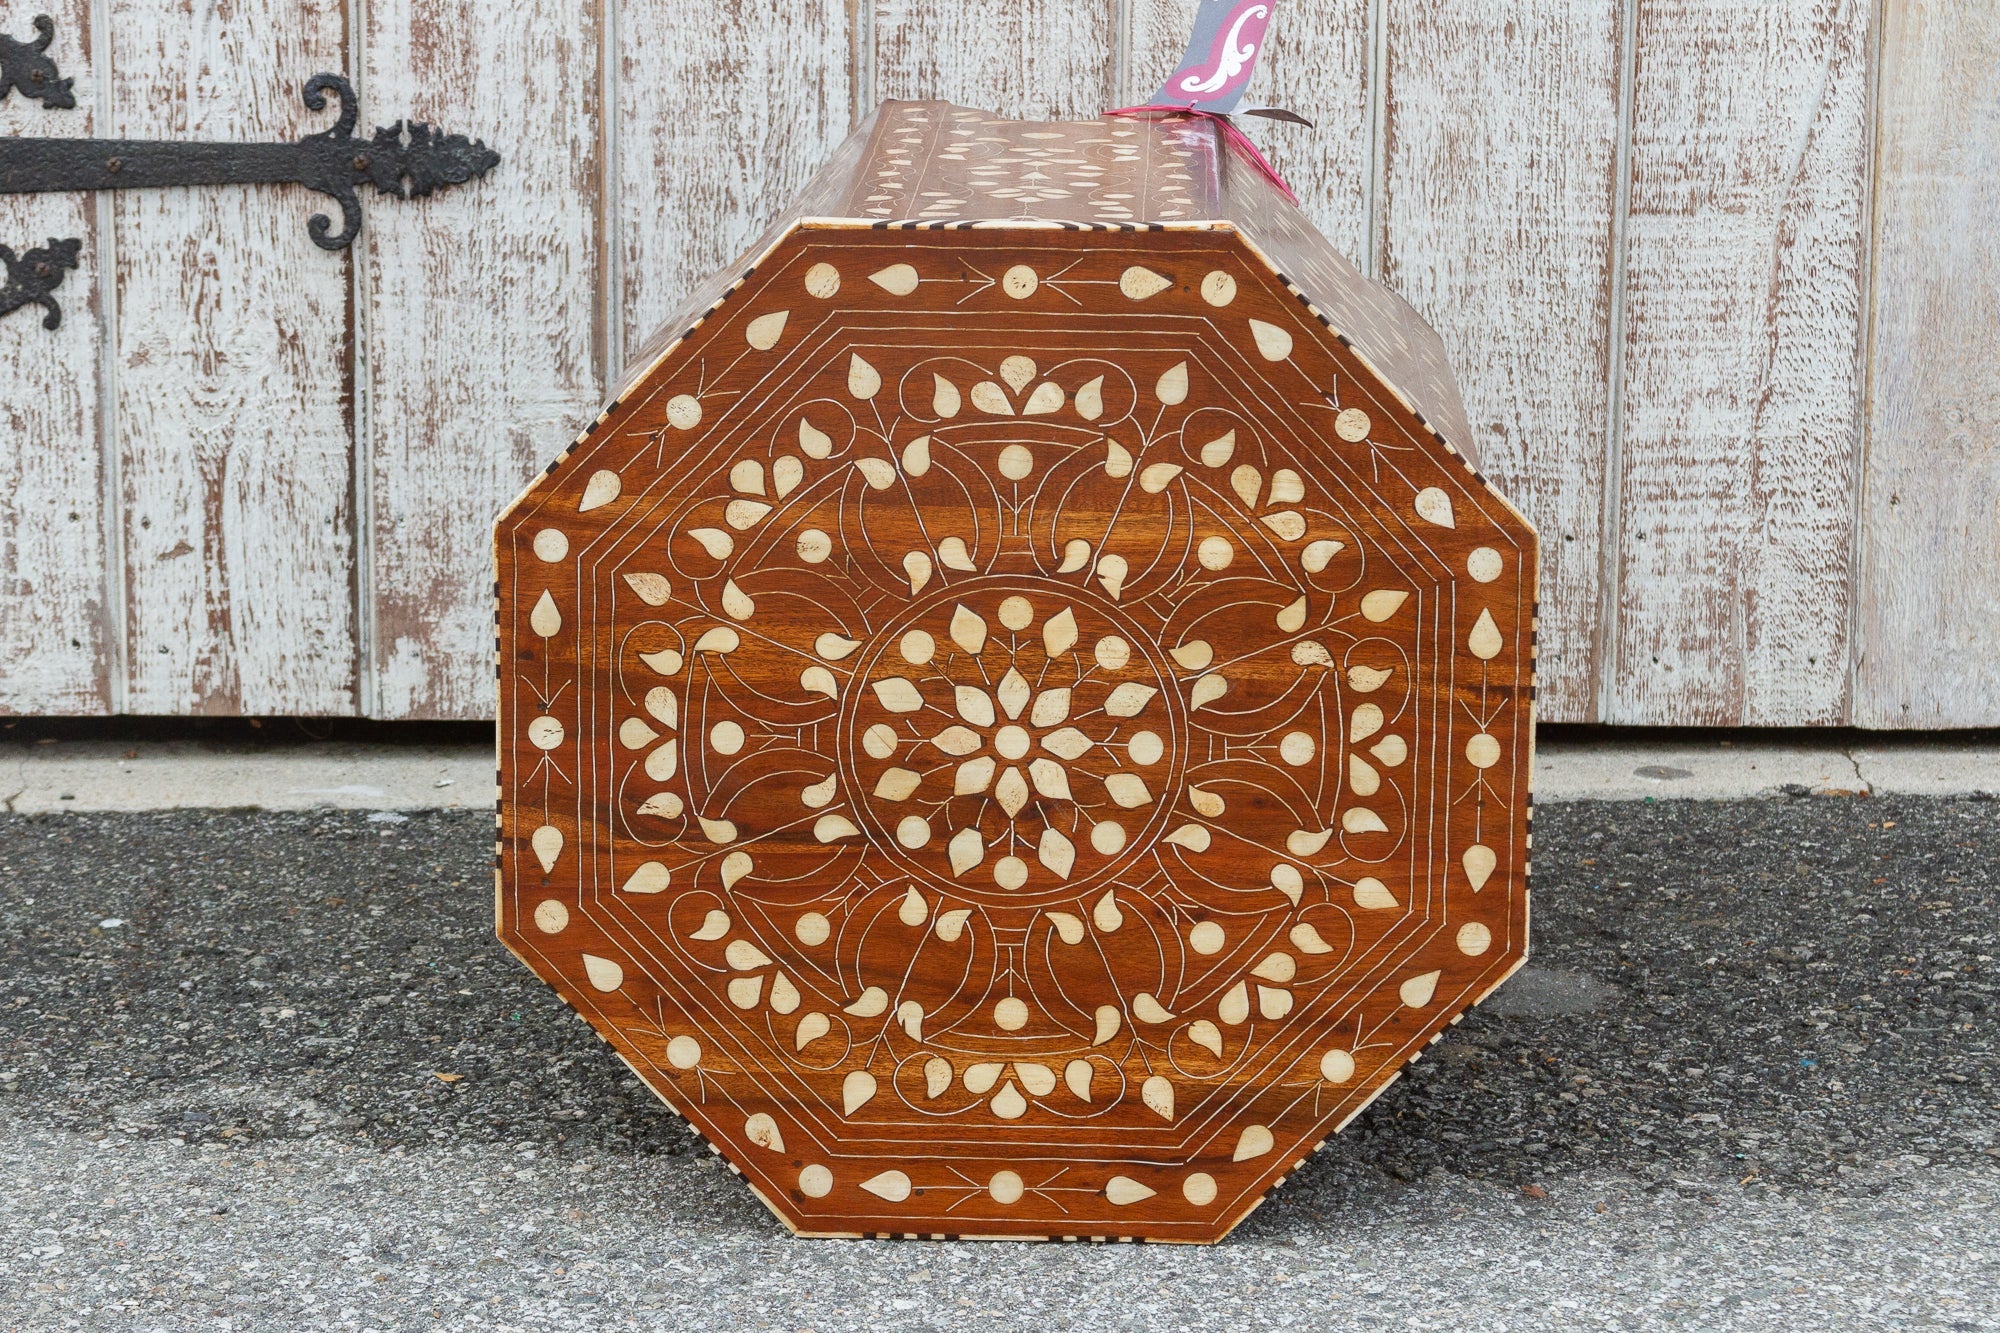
(55, 638)
(1744, 274)
(694, 188)
(1501, 138)
(234, 443)
(479, 311)
(1032, 59)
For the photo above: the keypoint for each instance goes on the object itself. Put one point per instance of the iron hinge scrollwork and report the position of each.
(25, 69)
(32, 278)
(407, 160)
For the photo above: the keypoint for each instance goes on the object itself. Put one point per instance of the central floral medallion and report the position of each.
(1012, 736)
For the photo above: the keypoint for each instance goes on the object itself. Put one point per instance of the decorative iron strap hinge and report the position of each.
(408, 160)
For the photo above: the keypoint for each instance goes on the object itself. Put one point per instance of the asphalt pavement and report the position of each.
(270, 1070)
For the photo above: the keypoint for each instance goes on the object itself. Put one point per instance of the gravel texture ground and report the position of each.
(272, 1071)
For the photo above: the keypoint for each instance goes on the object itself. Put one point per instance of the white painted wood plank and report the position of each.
(1317, 64)
(1031, 59)
(56, 645)
(1500, 185)
(231, 370)
(1744, 277)
(723, 114)
(1929, 623)
(480, 309)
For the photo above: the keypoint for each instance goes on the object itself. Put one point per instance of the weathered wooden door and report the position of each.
(1717, 274)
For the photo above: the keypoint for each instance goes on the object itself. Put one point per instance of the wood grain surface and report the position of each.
(482, 321)
(1929, 591)
(231, 372)
(1035, 59)
(1499, 226)
(1745, 269)
(678, 161)
(58, 645)
(1018, 732)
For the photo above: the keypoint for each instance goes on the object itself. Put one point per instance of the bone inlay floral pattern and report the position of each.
(1015, 732)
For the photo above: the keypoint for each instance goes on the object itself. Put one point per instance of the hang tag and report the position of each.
(1221, 56)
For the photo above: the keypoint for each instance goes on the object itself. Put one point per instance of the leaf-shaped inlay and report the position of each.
(1090, 399)
(1207, 690)
(872, 1003)
(1052, 781)
(545, 619)
(1129, 699)
(1418, 990)
(1051, 707)
(1382, 603)
(1128, 790)
(891, 1185)
(1013, 692)
(897, 279)
(1273, 343)
(764, 331)
(945, 399)
(952, 554)
(974, 705)
(1434, 506)
(898, 695)
(603, 487)
(650, 877)
(652, 589)
(1059, 632)
(968, 630)
(991, 399)
(1484, 640)
(1254, 1141)
(863, 380)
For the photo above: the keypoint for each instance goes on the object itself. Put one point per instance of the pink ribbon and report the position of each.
(1230, 133)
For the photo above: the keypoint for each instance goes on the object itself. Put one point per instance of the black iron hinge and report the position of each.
(407, 160)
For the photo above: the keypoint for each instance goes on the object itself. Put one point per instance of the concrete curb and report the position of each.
(173, 775)
(1727, 770)
(179, 775)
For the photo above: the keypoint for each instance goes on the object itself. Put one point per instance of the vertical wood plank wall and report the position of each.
(1928, 587)
(229, 359)
(1502, 124)
(1741, 387)
(59, 622)
(481, 324)
(1717, 276)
